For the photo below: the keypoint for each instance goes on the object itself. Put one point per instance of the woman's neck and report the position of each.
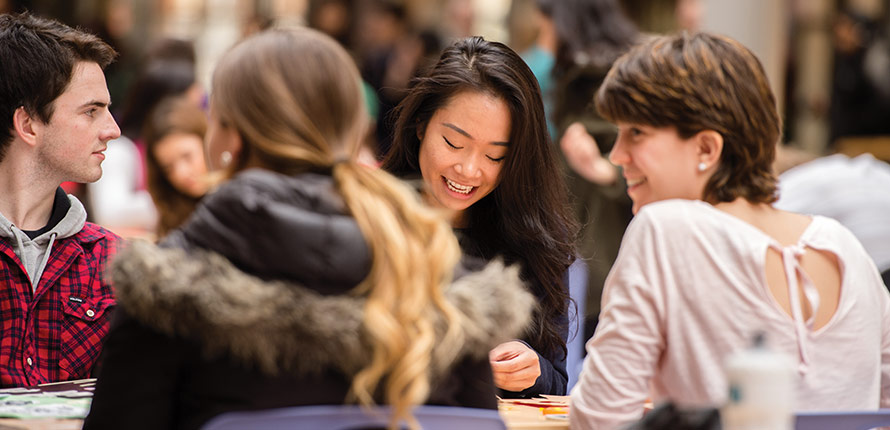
(744, 209)
(455, 217)
(458, 219)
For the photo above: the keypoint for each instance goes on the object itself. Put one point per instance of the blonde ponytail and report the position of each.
(294, 98)
(414, 253)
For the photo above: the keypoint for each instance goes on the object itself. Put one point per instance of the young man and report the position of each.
(54, 126)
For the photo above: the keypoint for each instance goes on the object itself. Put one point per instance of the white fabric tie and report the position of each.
(791, 261)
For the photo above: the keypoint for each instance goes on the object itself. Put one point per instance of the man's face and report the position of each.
(71, 144)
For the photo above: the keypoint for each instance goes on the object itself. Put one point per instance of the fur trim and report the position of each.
(280, 326)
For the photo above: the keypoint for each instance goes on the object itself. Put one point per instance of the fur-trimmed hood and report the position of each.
(278, 326)
(260, 220)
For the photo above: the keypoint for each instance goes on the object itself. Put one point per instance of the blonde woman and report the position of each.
(306, 278)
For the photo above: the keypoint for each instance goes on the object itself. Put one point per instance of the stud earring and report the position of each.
(225, 158)
(702, 166)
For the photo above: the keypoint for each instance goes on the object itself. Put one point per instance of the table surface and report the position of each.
(549, 412)
(75, 389)
(546, 413)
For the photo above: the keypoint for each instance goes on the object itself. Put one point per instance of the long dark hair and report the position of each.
(526, 219)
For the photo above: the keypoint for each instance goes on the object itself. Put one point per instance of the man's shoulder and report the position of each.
(93, 233)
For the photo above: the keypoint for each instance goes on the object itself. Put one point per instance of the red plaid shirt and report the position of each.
(55, 333)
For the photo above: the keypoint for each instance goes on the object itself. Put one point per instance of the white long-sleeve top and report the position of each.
(689, 289)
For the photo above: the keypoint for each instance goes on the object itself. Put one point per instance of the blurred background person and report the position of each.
(120, 200)
(590, 35)
(855, 191)
(392, 51)
(689, 14)
(13, 6)
(175, 162)
(336, 18)
(541, 55)
(860, 96)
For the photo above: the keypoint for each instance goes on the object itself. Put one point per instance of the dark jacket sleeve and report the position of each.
(554, 378)
(136, 384)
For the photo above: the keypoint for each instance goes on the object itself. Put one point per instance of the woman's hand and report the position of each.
(514, 365)
(584, 157)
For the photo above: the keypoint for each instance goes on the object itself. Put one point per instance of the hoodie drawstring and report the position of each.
(49, 248)
(17, 232)
(38, 270)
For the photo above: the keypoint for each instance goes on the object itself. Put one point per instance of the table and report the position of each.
(68, 396)
(546, 413)
(40, 424)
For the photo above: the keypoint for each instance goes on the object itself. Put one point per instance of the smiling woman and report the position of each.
(462, 150)
(698, 129)
(474, 130)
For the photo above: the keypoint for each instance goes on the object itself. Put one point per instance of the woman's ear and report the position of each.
(237, 143)
(710, 147)
(421, 130)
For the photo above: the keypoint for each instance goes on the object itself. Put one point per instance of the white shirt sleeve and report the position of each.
(622, 356)
(885, 355)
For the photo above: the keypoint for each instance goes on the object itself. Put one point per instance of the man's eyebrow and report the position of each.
(467, 135)
(95, 103)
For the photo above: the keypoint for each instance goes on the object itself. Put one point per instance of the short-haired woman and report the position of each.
(708, 262)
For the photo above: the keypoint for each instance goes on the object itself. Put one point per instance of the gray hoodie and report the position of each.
(35, 253)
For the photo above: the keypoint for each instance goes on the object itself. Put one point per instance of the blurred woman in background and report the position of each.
(175, 163)
(590, 36)
(120, 200)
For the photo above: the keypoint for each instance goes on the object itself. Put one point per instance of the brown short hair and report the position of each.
(37, 59)
(697, 82)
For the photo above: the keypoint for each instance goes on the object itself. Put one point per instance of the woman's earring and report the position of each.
(226, 158)
(702, 166)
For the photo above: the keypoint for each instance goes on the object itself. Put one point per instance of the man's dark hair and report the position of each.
(37, 59)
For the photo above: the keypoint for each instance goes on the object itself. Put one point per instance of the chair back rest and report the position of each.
(842, 420)
(352, 417)
(576, 341)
